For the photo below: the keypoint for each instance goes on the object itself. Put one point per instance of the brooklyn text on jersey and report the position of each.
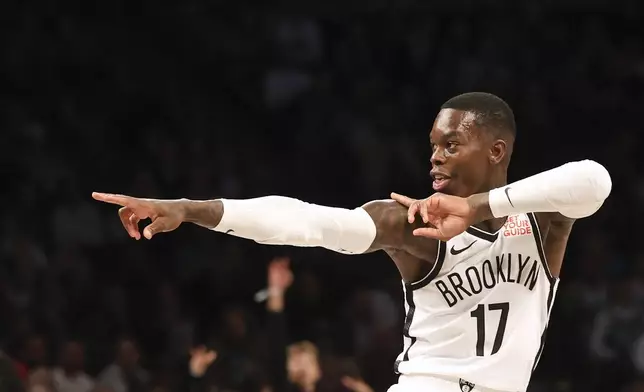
(506, 268)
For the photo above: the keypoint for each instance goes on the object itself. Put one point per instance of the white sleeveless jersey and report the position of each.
(481, 314)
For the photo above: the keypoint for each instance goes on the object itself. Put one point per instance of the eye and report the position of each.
(451, 146)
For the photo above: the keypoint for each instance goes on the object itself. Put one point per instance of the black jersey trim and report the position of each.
(549, 303)
(536, 232)
(482, 234)
(411, 309)
(409, 298)
(436, 268)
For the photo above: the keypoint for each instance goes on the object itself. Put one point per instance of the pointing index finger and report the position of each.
(121, 200)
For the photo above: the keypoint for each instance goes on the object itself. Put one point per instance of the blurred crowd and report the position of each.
(210, 99)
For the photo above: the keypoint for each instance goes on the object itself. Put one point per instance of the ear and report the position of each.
(498, 151)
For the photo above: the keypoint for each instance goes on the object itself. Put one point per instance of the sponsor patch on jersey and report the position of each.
(516, 226)
(466, 386)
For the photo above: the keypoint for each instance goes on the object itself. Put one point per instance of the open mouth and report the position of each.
(440, 181)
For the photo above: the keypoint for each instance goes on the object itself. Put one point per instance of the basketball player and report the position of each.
(479, 270)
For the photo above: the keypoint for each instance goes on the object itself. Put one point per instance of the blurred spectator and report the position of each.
(125, 374)
(71, 376)
(303, 366)
(33, 353)
(297, 366)
(41, 380)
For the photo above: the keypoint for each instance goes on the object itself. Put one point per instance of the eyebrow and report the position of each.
(447, 135)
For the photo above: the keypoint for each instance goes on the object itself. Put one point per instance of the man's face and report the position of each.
(460, 160)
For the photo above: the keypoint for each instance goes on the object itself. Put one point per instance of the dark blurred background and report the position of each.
(327, 102)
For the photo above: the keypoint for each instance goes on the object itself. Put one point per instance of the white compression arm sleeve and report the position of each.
(576, 190)
(277, 220)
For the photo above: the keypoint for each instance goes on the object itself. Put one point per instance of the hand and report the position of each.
(200, 360)
(355, 384)
(166, 215)
(448, 215)
(280, 276)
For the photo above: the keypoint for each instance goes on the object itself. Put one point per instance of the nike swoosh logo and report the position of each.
(230, 231)
(506, 190)
(455, 252)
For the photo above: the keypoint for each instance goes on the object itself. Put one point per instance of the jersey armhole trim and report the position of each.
(539, 241)
(436, 268)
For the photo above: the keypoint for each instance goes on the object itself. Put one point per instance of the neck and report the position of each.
(496, 181)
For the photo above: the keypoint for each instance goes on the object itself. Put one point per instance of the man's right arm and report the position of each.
(278, 220)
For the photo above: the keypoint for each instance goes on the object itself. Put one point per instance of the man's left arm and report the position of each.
(571, 191)
(558, 196)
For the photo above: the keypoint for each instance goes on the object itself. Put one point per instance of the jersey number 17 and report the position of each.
(479, 314)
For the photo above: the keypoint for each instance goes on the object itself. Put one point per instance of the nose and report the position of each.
(438, 157)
